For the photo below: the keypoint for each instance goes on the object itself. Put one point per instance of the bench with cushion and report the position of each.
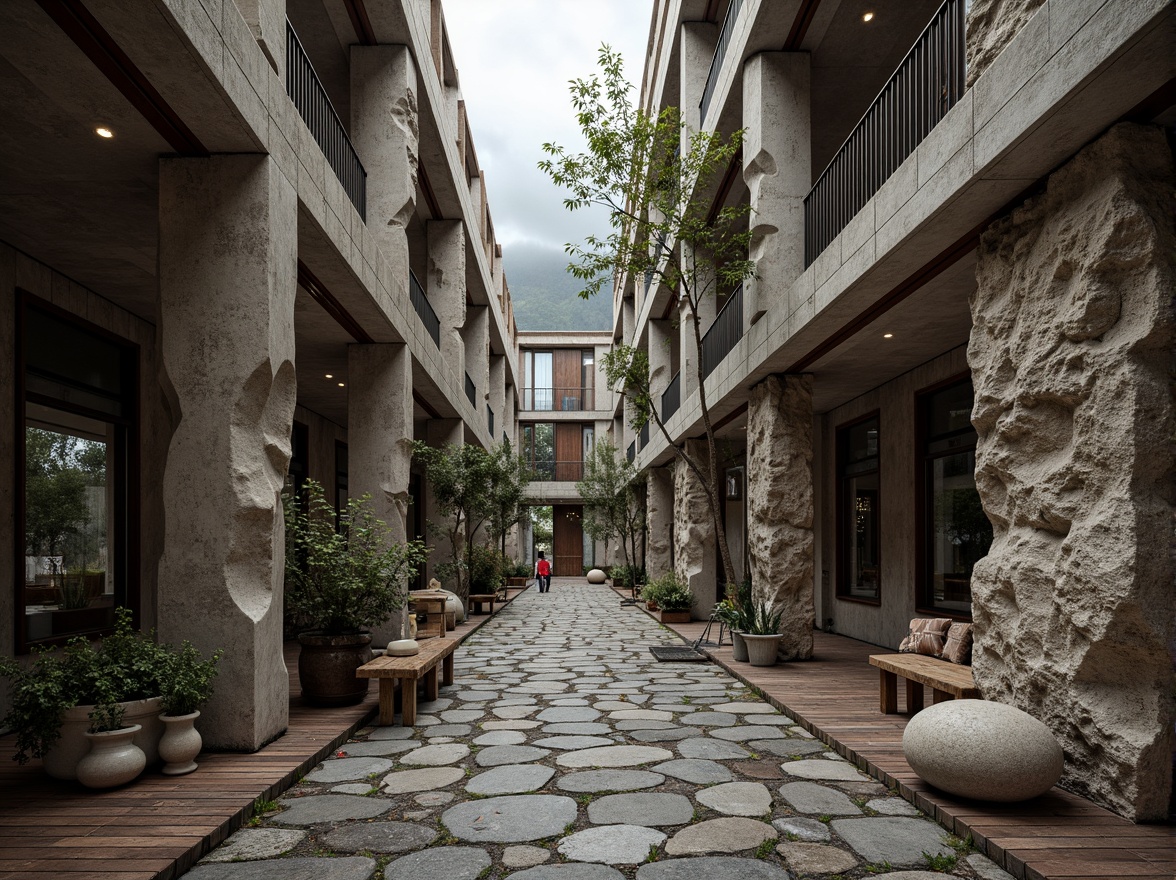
(408, 671)
(947, 680)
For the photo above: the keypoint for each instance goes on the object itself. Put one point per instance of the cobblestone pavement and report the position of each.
(564, 751)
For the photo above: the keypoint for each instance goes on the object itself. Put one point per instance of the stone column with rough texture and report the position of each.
(780, 506)
(992, 25)
(695, 553)
(776, 168)
(384, 130)
(379, 441)
(659, 517)
(445, 287)
(440, 433)
(476, 334)
(227, 278)
(1071, 355)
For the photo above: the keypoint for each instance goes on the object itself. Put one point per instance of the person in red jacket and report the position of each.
(543, 573)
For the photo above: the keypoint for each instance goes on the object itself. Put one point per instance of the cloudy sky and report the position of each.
(514, 60)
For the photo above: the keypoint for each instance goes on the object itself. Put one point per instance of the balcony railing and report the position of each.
(671, 398)
(926, 85)
(307, 92)
(424, 308)
(558, 471)
(631, 452)
(644, 435)
(471, 390)
(574, 399)
(490, 419)
(712, 77)
(724, 333)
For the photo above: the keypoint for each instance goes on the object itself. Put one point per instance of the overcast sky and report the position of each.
(514, 59)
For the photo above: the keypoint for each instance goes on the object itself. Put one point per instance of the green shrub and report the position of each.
(485, 570)
(762, 621)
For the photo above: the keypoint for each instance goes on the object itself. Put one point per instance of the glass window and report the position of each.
(956, 531)
(341, 496)
(539, 447)
(79, 389)
(859, 571)
(539, 393)
(588, 378)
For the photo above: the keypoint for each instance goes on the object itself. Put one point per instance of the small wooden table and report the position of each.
(477, 600)
(432, 605)
(947, 680)
(408, 671)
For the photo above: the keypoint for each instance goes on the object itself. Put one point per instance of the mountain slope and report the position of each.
(545, 295)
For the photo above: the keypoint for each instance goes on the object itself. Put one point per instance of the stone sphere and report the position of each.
(402, 648)
(596, 576)
(983, 750)
(453, 605)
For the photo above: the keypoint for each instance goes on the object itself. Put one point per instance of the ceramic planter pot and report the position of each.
(738, 647)
(61, 762)
(113, 760)
(761, 650)
(674, 616)
(326, 668)
(180, 744)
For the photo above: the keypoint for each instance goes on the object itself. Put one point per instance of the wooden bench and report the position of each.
(477, 600)
(947, 680)
(408, 671)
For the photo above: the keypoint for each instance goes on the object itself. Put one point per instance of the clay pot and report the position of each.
(61, 762)
(761, 650)
(180, 744)
(738, 647)
(114, 759)
(326, 668)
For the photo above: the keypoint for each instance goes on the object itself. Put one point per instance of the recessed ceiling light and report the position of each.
(887, 335)
(341, 385)
(869, 16)
(104, 132)
(330, 376)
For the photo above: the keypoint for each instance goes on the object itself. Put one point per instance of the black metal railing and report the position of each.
(631, 452)
(574, 399)
(644, 435)
(671, 398)
(424, 308)
(724, 333)
(926, 85)
(471, 390)
(307, 92)
(712, 77)
(558, 471)
(490, 419)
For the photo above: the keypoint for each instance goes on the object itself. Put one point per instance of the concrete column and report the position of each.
(660, 373)
(628, 320)
(227, 278)
(439, 433)
(659, 518)
(379, 440)
(689, 353)
(510, 416)
(780, 505)
(497, 391)
(476, 336)
(777, 170)
(267, 21)
(445, 287)
(699, 39)
(384, 130)
(695, 553)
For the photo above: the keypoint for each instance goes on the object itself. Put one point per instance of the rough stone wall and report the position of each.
(694, 532)
(1071, 353)
(991, 26)
(659, 520)
(780, 505)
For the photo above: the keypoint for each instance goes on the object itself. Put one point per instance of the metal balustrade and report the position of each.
(573, 399)
(490, 419)
(671, 398)
(724, 333)
(712, 77)
(926, 85)
(471, 390)
(631, 452)
(424, 308)
(644, 435)
(310, 98)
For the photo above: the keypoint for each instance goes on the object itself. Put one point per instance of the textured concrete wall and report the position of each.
(1071, 352)
(659, 517)
(227, 270)
(439, 433)
(445, 287)
(694, 533)
(991, 26)
(780, 505)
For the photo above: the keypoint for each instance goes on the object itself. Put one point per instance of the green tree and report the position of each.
(613, 506)
(658, 183)
(55, 491)
(509, 475)
(460, 479)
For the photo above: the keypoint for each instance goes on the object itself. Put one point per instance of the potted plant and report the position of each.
(343, 575)
(517, 574)
(763, 635)
(734, 611)
(673, 597)
(186, 685)
(651, 593)
(113, 758)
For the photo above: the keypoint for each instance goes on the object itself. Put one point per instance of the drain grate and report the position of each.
(676, 654)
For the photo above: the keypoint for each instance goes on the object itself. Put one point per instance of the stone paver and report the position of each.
(564, 748)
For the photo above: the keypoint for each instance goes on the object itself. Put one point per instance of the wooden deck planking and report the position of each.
(159, 826)
(1054, 837)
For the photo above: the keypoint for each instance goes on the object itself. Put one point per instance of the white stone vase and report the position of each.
(180, 744)
(761, 650)
(61, 762)
(738, 647)
(114, 759)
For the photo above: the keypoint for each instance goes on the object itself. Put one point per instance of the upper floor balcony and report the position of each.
(576, 398)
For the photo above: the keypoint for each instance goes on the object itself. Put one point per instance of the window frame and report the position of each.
(841, 541)
(126, 472)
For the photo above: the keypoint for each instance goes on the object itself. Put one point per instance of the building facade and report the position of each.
(947, 390)
(242, 245)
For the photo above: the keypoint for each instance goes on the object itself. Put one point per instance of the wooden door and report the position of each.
(567, 380)
(568, 540)
(569, 447)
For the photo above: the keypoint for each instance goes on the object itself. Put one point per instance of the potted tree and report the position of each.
(185, 687)
(343, 576)
(763, 635)
(673, 598)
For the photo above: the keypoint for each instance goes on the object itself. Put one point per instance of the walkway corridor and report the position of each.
(565, 751)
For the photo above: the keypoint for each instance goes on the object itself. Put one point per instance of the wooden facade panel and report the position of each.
(568, 540)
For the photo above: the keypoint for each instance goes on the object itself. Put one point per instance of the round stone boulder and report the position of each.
(983, 750)
(596, 576)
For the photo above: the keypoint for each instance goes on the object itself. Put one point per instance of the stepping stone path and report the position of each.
(565, 751)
